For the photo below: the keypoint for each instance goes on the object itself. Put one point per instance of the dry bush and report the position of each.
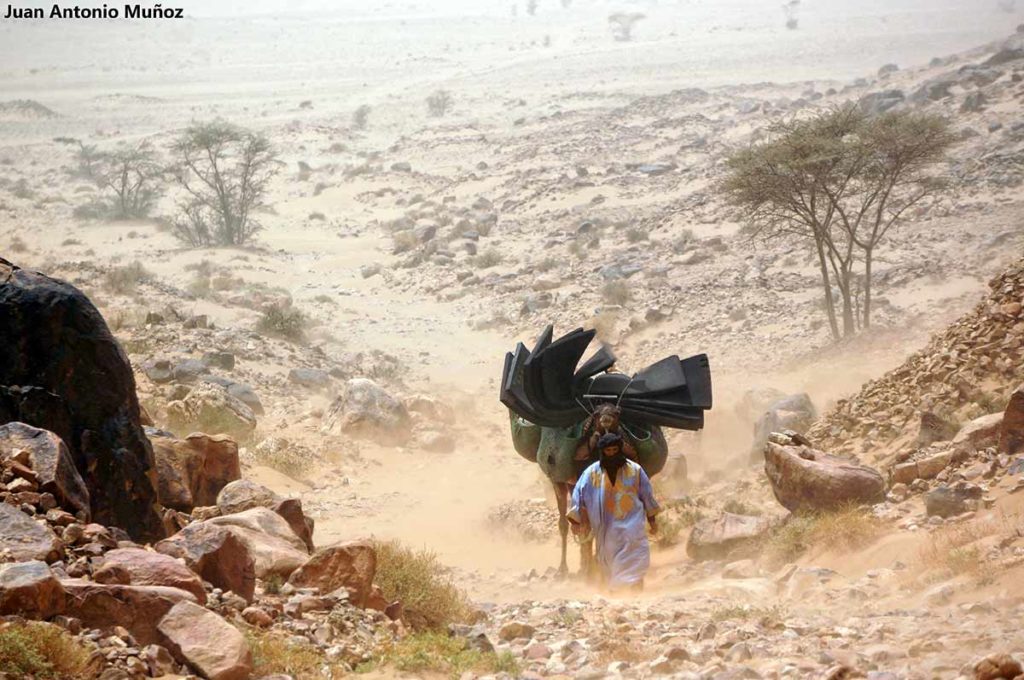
(616, 292)
(618, 649)
(283, 322)
(637, 234)
(274, 654)
(951, 550)
(17, 245)
(438, 652)
(768, 617)
(430, 599)
(491, 257)
(125, 280)
(846, 529)
(404, 241)
(439, 103)
(547, 264)
(43, 651)
(359, 117)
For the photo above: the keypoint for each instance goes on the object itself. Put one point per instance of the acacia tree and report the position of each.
(225, 171)
(622, 24)
(839, 182)
(131, 175)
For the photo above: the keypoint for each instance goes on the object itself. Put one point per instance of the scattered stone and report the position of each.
(206, 642)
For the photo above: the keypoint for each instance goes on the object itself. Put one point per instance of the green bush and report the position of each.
(424, 586)
(283, 322)
(437, 652)
(43, 651)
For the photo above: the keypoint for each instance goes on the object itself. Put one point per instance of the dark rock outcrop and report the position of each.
(61, 370)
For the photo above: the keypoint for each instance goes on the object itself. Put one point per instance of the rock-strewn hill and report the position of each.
(974, 362)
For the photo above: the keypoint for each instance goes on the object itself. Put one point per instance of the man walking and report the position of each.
(613, 499)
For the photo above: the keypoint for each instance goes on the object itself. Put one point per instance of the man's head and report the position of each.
(610, 445)
(612, 454)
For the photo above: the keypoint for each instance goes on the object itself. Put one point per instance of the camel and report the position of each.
(563, 454)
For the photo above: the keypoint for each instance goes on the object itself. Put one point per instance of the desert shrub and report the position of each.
(272, 585)
(439, 103)
(93, 209)
(225, 171)
(360, 116)
(43, 651)
(766, 616)
(403, 241)
(200, 285)
(284, 456)
(283, 322)
(17, 245)
(491, 257)
(438, 652)
(125, 279)
(616, 292)
(547, 264)
(740, 507)
(429, 597)
(636, 234)
(845, 529)
(274, 654)
(684, 241)
(952, 549)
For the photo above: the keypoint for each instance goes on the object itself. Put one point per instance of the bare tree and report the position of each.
(129, 174)
(531, 7)
(839, 182)
(439, 103)
(225, 172)
(359, 117)
(1008, 6)
(790, 9)
(622, 24)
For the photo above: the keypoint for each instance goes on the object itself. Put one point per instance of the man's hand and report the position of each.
(652, 522)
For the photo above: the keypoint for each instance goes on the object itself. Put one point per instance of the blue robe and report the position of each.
(617, 516)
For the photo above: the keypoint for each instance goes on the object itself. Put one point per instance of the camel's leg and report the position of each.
(563, 524)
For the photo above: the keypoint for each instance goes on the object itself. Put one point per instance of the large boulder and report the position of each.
(275, 548)
(209, 407)
(366, 410)
(350, 565)
(210, 645)
(30, 589)
(978, 434)
(63, 371)
(193, 470)
(23, 538)
(50, 460)
(805, 479)
(148, 568)
(136, 608)
(216, 554)
(243, 494)
(715, 538)
(1011, 430)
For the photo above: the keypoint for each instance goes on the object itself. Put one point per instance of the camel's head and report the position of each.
(606, 418)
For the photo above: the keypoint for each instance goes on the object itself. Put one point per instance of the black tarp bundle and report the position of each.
(544, 385)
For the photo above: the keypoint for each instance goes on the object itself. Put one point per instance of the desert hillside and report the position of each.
(292, 443)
